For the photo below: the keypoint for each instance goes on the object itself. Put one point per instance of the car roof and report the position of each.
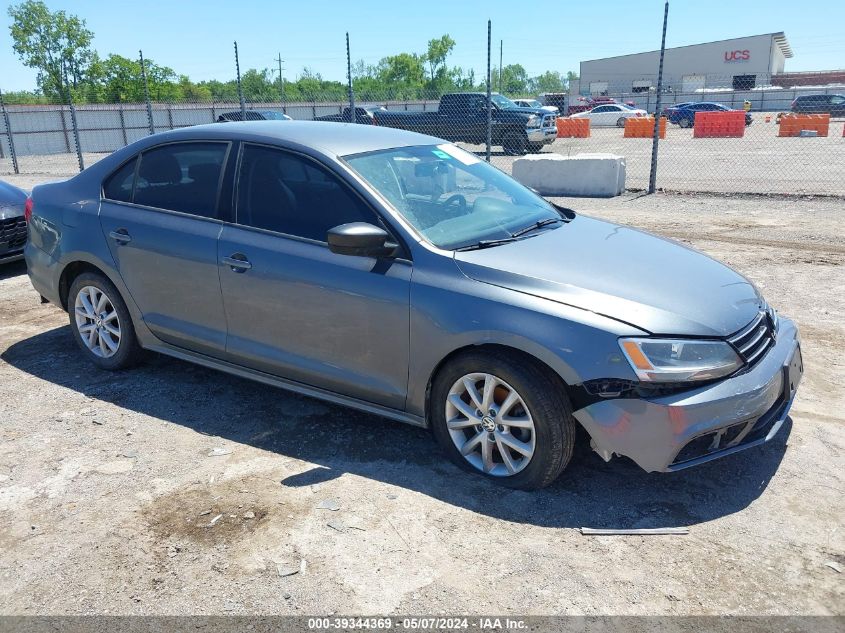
(334, 139)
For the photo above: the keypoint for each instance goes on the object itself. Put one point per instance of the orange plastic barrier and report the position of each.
(792, 124)
(572, 128)
(643, 127)
(719, 124)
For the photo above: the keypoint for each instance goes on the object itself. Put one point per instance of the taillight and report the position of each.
(27, 210)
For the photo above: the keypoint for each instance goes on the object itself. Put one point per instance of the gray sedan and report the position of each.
(400, 275)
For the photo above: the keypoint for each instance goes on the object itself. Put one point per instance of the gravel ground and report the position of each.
(172, 489)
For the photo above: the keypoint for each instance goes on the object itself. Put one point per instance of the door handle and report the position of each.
(121, 236)
(237, 262)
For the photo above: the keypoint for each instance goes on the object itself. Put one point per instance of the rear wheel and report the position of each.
(515, 144)
(684, 122)
(503, 419)
(101, 323)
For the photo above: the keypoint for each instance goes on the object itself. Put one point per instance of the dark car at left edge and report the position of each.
(12, 222)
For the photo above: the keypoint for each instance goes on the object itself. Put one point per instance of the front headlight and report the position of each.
(679, 360)
(533, 121)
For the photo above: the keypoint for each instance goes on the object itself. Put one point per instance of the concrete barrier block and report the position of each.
(588, 175)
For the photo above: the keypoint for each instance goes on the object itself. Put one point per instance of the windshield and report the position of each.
(453, 198)
(274, 116)
(503, 102)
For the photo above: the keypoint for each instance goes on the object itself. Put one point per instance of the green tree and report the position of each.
(402, 75)
(549, 81)
(513, 79)
(56, 44)
(435, 56)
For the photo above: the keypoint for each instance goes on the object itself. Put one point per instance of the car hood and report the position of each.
(650, 282)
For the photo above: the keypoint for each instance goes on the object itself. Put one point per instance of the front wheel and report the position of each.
(503, 418)
(620, 122)
(685, 122)
(535, 148)
(515, 144)
(101, 323)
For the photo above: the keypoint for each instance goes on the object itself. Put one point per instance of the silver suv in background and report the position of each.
(398, 274)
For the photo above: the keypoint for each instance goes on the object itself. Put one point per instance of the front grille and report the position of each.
(13, 233)
(752, 341)
(549, 120)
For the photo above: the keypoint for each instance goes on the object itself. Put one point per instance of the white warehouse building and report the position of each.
(741, 63)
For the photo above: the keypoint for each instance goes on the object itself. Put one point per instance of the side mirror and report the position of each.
(360, 239)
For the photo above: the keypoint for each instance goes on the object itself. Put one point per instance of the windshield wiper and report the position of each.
(513, 236)
(486, 244)
(537, 225)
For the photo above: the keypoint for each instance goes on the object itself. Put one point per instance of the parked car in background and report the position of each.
(533, 103)
(610, 114)
(253, 115)
(462, 116)
(666, 110)
(684, 114)
(364, 115)
(820, 104)
(12, 222)
(398, 274)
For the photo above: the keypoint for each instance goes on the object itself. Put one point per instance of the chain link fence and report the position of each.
(773, 138)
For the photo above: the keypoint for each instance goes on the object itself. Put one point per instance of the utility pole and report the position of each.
(500, 65)
(281, 83)
(652, 178)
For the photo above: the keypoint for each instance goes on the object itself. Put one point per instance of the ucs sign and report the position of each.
(737, 56)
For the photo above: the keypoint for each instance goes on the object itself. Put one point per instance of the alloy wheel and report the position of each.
(97, 321)
(490, 424)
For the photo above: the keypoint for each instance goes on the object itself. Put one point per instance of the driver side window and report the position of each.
(288, 193)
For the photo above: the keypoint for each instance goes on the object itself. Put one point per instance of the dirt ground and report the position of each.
(172, 489)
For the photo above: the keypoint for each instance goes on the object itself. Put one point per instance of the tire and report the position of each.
(684, 122)
(515, 144)
(539, 402)
(535, 148)
(620, 122)
(107, 338)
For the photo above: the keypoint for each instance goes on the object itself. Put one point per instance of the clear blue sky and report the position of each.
(195, 37)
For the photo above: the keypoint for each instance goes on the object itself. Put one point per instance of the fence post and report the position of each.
(170, 114)
(123, 126)
(240, 89)
(652, 177)
(489, 102)
(353, 116)
(75, 126)
(12, 154)
(147, 95)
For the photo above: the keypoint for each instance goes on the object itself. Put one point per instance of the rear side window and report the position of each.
(182, 177)
(118, 186)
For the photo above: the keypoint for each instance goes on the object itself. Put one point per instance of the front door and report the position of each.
(159, 219)
(294, 308)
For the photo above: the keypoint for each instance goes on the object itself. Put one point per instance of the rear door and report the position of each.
(159, 214)
(294, 308)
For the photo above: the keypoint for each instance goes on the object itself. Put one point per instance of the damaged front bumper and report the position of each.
(682, 430)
